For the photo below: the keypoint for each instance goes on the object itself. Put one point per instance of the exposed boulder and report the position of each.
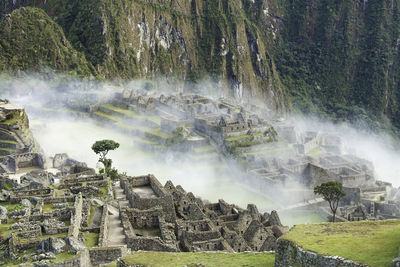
(52, 244)
(63, 160)
(4, 195)
(34, 180)
(74, 244)
(3, 213)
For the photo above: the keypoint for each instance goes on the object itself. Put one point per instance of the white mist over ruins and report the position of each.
(184, 155)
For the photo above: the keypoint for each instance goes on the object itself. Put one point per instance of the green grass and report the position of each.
(159, 133)
(91, 240)
(373, 243)
(91, 214)
(105, 115)
(4, 232)
(132, 114)
(6, 149)
(63, 256)
(205, 259)
(47, 208)
(315, 151)
(8, 141)
(8, 186)
(104, 190)
(237, 138)
(14, 207)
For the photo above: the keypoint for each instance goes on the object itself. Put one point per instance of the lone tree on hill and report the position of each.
(102, 148)
(332, 192)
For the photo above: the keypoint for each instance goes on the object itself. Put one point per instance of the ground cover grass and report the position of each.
(4, 231)
(91, 214)
(91, 240)
(159, 133)
(373, 243)
(237, 138)
(105, 115)
(6, 149)
(204, 259)
(8, 141)
(315, 151)
(47, 208)
(132, 114)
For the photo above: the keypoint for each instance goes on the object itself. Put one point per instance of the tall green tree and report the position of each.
(332, 192)
(102, 148)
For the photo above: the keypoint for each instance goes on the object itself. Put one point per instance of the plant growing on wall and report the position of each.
(332, 192)
(102, 148)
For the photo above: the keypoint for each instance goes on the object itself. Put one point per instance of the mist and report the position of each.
(58, 130)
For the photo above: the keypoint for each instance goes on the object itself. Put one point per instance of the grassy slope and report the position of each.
(373, 243)
(205, 259)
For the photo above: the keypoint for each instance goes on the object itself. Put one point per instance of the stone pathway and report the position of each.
(116, 235)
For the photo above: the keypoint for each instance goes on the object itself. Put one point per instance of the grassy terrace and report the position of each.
(91, 240)
(132, 114)
(159, 133)
(6, 149)
(8, 141)
(373, 243)
(267, 151)
(4, 232)
(194, 259)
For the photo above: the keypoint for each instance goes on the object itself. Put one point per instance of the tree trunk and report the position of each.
(334, 216)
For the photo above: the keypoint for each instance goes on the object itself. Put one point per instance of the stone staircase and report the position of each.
(116, 236)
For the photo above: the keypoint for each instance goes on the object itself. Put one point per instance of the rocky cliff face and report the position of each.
(176, 38)
(335, 57)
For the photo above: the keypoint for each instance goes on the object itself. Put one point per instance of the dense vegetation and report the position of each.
(341, 58)
(333, 58)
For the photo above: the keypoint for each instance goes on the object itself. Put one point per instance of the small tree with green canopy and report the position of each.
(102, 148)
(332, 192)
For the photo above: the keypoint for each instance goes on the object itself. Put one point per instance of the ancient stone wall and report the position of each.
(65, 199)
(77, 217)
(17, 196)
(82, 259)
(104, 255)
(104, 227)
(82, 177)
(163, 199)
(289, 254)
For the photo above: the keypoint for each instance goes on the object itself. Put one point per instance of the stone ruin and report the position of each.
(166, 218)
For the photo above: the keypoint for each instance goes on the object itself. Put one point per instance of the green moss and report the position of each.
(373, 243)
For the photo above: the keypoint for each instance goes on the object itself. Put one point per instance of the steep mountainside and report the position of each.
(342, 56)
(333, 57)
(30, 40)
